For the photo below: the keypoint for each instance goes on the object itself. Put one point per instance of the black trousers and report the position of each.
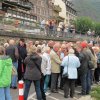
(20, 73)
(54, 81)
(97, 73)
(61, 79)
(69, 87)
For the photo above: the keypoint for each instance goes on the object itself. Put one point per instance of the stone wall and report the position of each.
(5, 36)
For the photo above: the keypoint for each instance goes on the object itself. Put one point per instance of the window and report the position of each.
(14, 12)
(18, 14)
(9, 11)
(42, 3)
(34, 9)
(39, 3)
(38, 10)
(43, 12)
(38, 18)
(50, 12)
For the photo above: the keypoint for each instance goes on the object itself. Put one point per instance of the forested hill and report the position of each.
(89, 8)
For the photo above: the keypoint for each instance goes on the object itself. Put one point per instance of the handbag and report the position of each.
(65, 75)
(14, 71)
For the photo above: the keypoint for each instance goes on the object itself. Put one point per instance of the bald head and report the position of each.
(51, 44)
(11, 42)
(63, 47)
(56, 47)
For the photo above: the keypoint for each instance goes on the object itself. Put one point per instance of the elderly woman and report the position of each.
(5, 75)
(46, 54)
(70, 63)
(33, 73)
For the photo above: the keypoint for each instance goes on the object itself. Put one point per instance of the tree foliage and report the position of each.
(83, 24)
(97, 28)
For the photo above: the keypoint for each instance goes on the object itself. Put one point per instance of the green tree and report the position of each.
(97, 28)
(83, 24)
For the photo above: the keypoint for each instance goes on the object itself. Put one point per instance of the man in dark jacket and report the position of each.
(84, 70)
(12, 51)
(22, 55)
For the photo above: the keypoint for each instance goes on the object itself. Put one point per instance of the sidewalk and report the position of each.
(88, 97)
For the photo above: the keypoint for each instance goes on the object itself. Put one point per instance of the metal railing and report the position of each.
(41, 30)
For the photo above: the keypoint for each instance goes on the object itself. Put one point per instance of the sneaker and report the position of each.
(54, 91)
(14, 87)
(47, 93)
(65, 96)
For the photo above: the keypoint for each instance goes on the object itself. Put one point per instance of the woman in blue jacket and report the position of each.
(70, 64)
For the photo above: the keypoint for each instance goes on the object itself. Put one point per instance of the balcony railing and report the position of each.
(19, 3)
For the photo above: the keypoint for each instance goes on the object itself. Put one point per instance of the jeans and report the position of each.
(5, 93)
(86, 82)
(37, 89)
(14, 77)
(46, 82)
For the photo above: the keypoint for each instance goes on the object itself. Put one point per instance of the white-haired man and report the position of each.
(55, 67)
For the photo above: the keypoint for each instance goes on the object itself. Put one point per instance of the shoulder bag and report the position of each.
(66, 74)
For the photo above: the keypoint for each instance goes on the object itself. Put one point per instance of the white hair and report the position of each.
(46, 49)
(71, 51)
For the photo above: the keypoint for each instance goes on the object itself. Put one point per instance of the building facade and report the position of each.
(43, 9)
(62, 12)
(71, 13)
(67, 13)
(16, 13)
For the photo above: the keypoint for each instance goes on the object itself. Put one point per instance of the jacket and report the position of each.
(5, 71)
(12, 51)
(22, 52)
(84, 57)
(55, 62)
(70, 64)
(32, 63)
(48, 64)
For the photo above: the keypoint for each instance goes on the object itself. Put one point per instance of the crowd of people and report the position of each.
(50, 65)
(52, 28)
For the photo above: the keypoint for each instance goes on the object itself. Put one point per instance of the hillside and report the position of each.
(90, 8)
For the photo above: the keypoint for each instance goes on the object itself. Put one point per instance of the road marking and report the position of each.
(53, 98)
(31, 96)
(77, 92)
(61, 93)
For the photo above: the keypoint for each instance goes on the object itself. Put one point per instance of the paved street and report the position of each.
(52, 96)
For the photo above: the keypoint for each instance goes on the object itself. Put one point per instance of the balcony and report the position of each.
(57, 8)
(26, 5)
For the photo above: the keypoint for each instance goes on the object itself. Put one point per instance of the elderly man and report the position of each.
(84, 70)
(12, 51)
(55, 67)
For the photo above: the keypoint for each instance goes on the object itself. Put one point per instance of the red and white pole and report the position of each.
(21, 90)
